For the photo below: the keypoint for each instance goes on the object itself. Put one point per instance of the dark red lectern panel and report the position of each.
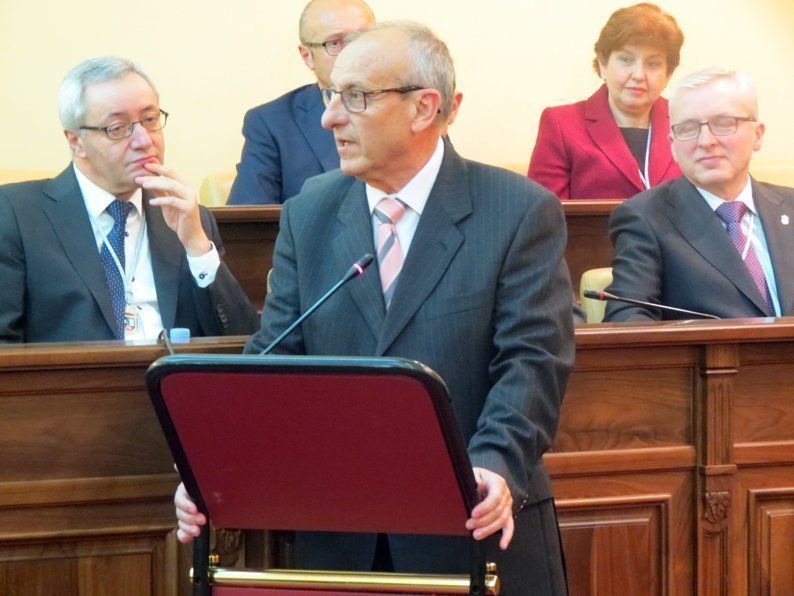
(348, 444)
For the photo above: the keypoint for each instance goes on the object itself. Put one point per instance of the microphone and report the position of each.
(603, 295)
(355, 270)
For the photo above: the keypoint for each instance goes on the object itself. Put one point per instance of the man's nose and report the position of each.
(335, 113)
(140, 136)
(706, 137)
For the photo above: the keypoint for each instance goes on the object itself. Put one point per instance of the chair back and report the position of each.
(215, 189)
(596, 280)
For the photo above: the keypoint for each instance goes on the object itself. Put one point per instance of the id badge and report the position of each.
(130, 320)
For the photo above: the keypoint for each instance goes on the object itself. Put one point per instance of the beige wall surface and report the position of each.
(214, 60)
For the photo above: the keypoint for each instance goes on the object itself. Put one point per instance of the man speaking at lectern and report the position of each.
(471, 281)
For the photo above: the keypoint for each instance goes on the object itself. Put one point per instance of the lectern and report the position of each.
(324, 444)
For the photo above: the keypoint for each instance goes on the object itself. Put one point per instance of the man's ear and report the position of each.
(427, 106)
(759, 136)
(306, 56)
(75, 140)
(456, 101)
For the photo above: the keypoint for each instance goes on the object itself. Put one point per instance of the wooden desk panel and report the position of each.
(673, 467)
(249, 234)
(86, 479)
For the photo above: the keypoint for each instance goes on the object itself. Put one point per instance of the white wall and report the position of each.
(213, 60)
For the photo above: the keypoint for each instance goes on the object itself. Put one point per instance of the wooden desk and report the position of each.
(86, 478)
(673, 467)
(249, 234)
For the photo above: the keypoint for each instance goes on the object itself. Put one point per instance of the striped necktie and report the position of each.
(119, 210)
(731, 212)
(390, 254)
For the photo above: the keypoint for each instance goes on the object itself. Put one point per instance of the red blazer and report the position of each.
(581, 154)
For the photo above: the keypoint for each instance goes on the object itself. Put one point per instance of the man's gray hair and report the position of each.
(742, 83)
(429, 62)
(71, 93)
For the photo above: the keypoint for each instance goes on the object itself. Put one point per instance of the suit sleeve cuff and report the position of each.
(205, 266)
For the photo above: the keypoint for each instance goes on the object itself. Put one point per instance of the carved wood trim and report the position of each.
(715, 507)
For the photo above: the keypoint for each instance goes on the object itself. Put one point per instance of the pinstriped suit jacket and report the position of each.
(484, 299)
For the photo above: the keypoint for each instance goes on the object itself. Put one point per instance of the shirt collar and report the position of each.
(416, 192)
(746, 197)
(97, 198)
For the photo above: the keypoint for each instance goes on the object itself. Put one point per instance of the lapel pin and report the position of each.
(784, 220)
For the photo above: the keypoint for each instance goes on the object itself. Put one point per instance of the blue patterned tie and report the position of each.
(119, 210)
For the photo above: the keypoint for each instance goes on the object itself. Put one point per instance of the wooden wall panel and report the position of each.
(121, 566)
(39, 577)
(638, 526)
(771, 564)
(625, 546)
(615, 409)
(763, 402)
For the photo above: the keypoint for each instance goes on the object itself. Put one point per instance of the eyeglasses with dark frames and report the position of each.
(721, 126)
(355, 100)
(121, 130)
(332, 47)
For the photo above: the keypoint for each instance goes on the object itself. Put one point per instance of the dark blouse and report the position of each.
(637, 140)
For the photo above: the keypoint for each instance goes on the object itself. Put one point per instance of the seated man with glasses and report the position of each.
(284, 141)
(116, 246)
(715, 240)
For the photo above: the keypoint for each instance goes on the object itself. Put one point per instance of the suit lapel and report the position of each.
(434, 244)
(661, 157)
(702, 229)
(167, 257)
(354, 240)
(604, 131)
(773, 211)
(69, 218)
(308, 110)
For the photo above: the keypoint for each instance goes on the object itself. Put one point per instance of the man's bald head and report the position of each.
(323, 27)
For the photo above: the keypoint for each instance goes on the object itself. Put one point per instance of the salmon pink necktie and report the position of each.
(390, 255)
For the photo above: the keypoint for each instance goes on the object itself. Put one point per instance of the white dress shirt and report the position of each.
(414, 195)
(139, 281)
(753, 230)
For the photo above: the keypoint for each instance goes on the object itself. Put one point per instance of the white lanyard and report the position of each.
(128, 274)
(750, 235)
(646, 179)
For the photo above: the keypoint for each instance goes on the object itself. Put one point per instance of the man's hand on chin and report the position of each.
(180, 207)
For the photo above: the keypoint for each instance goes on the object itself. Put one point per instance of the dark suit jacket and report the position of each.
(284, 145)
(581, 154)
(53, 283)
(671, 248)
(484, 299)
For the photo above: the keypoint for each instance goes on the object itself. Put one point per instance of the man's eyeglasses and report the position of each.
(121, 130)
(355, 100)
(332, 47)
(721, 126)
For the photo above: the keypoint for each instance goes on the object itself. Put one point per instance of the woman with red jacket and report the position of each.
(615, 144)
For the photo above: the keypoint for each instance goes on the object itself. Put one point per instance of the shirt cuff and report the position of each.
(205, 267)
